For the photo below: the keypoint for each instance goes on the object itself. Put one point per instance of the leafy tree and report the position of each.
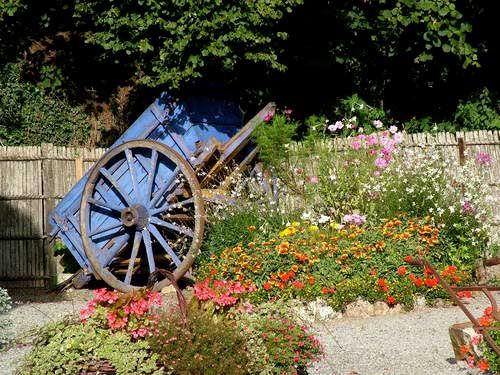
(177, 41)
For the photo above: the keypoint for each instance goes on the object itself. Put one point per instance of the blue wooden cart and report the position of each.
(141, 206)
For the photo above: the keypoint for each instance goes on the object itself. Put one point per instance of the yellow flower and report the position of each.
(288, 231)
(313, 228)
(335, 225)
(295, 224)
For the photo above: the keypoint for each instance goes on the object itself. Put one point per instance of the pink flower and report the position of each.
(355, 219)
(356, 144)
(313, 179)
(288, 112)
(269, 116)
(468, 208)
(378, 124)
(397, 138)
(376, 173)
(372, 139)
(393, 129)
(483, 158)
(337, 126)
(381, 163)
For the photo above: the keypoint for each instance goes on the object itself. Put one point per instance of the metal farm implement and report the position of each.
(141, 207)
(452, 292)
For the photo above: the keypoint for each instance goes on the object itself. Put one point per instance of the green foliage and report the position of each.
(175, 42)
(29, 117)
(5, 306)
(491, 356)
(206, 346)
(481, 112)
(67, 260)
(67, 347)
(272, 137)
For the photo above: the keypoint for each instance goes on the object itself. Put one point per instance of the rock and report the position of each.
(462, 334)
(380, 308)
(439, 302)
(420, 303)
(359, 309)
(396, 309)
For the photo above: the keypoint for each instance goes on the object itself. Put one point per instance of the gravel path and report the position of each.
(32, 311)
(414, 343)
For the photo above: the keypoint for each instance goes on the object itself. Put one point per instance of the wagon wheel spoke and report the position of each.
(103, 229)
(164, 244)
(116, 185)
(149, 250)
(151, 176)
(168, 206)
(133, 172)
(133, 256)
(166, 187)
(171, 226)
(107, 205)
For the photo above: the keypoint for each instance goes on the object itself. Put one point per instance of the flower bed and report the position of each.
(337, 262)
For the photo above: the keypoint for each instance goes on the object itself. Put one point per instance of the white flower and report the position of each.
(393, 129)
(361, 130)
(378, 124)
(323, 219)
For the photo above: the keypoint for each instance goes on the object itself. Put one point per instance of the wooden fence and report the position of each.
(34, 179)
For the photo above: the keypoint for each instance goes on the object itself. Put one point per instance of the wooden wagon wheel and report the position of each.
(141, 206)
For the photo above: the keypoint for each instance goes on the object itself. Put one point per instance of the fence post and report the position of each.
(461, 150)
(48, 204)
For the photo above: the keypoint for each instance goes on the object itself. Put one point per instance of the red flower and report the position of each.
(427, 271)
(267, 285)
(332, 290)
(485, 321)
(408, 258)
(391, 300)
(464, 294)
(417, 281)
(324, 290)
(464, 349)
(402, 270)
(298, 284)
(483, 365)
(373, 272)
(382, 283)
(431, 282)
(488, 311)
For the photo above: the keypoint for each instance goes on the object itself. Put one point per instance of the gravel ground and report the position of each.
(31, 311)
(414, 343)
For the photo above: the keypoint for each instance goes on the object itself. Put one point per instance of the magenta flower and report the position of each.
(483, 158)
(468, 208)
(372, 139)
(355, 219)
(381, 163)
(269, 116)
(356, 144)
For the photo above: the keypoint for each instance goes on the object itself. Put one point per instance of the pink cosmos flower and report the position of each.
(355, 219)
(372, 139)
(397, 138)
(269, 116)
(356, 144)
(378, 124)
(483, 158)
(381, 163)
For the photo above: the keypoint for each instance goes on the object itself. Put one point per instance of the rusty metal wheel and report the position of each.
(141, 211)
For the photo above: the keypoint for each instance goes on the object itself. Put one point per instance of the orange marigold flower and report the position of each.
(402, 270)
(294, 268)
(483, 365)
(311, 280)
(283, 247)
(213, 272)
(251, 228)
(237, 249)
(391, 300)
(373, 272)
(485, 321)
(431, 282)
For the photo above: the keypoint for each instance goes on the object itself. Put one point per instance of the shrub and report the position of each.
(283, 345)
(29, 117)
(206, 346)
(68, 347)
(343, 263)
(5, 306)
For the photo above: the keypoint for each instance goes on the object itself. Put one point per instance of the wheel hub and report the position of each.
(136, 215)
